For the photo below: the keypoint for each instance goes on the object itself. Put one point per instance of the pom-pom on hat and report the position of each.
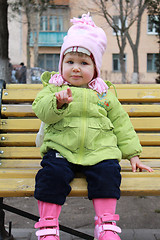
(85, 34)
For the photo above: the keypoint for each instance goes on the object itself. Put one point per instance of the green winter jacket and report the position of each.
(90, 129)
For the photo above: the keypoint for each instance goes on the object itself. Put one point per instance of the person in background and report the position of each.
(10, 68)
(22, 73)
(13, 76)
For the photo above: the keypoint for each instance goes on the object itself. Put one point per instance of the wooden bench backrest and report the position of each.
(20, 159)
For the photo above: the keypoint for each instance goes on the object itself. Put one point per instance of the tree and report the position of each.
(118, 25)
(4, 64)
(32, 9)
(128, 13)
(38, 8)
(153, 7)
(134, 46)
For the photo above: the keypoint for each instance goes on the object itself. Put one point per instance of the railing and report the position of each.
(49, 39)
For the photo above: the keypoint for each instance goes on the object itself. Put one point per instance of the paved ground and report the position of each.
(135, 212)
(128, 234)
(139, 217)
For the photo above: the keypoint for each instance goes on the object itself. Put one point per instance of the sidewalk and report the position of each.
(127, 234)
(139, 217)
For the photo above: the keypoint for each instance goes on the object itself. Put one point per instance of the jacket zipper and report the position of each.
(83, 126)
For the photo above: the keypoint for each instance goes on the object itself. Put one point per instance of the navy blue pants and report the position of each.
(52, 181)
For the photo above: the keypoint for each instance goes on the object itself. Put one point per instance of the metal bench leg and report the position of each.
(4, 235)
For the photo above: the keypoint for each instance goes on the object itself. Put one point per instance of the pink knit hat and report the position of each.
(84, 36)
(84, 33)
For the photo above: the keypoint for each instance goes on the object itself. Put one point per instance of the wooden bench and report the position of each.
(20, 158)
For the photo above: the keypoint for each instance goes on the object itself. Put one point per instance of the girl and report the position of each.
(86, 129)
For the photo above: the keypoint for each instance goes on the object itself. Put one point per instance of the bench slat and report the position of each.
(118, 86)
(35, 163)
(20, 125)
(20, 163)
(20, 95)
(28, 139)
(153, 163)
(27, 86)
(17, 110)
(17, 173)
(142, 110)
(20, 110)
(11, 125)
(146, 124)
(21, 186)
(141, 184)
(34, 152)
(19, 139)
(20, 152)
(137, 86)
(149, 139)
(138, 95)
(150, 94)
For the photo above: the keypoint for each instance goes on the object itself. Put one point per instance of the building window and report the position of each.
(116, 62)
(43, 23)
(118, 25)
(152, 58)
(49, 62)
(151, 25)
(51, 23)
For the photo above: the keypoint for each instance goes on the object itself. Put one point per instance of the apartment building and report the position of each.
(54, 24)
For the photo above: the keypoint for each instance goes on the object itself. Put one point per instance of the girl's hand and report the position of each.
(63, 97)
(136, 163)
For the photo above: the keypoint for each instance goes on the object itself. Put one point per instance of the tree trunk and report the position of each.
(123, 70)
(35, 30)
(4, 64)
(135, 74)
(36, 39)
(122, 60)
(28, 38)
(134, 46)
(4, 70)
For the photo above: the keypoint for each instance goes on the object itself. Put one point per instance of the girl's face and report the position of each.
(78, 69)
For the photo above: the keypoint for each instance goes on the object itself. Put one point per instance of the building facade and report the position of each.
(54, 24)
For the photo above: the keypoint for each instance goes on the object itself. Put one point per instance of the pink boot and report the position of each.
(48, 222)
(105, 219)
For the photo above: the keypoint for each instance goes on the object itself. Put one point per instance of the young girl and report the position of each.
(86, 129)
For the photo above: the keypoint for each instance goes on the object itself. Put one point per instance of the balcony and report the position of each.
(49, 39)
(60, 2)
